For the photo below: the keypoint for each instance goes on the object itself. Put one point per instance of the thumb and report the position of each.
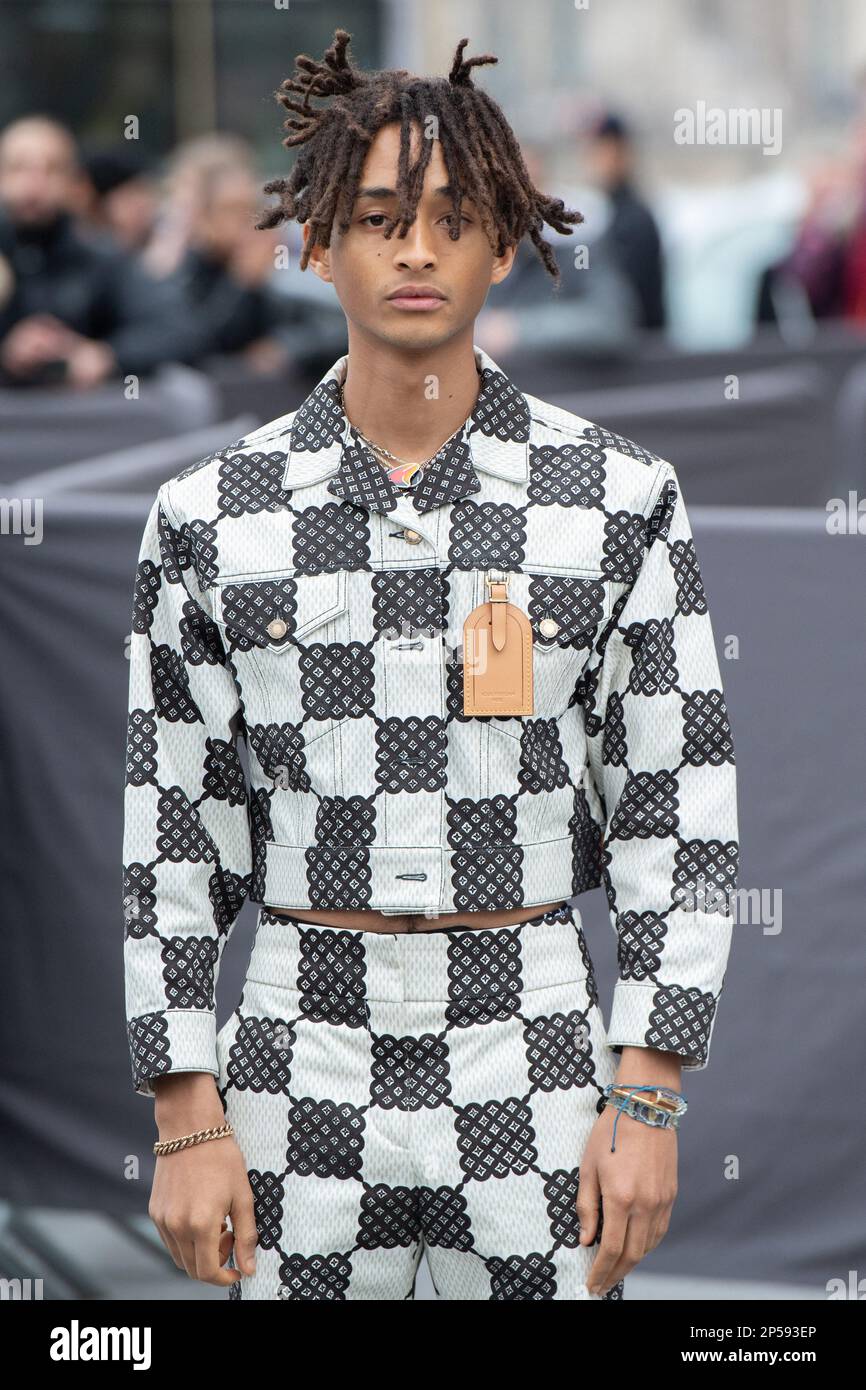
(588, 1195)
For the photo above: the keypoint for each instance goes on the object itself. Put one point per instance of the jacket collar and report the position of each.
(495, 439)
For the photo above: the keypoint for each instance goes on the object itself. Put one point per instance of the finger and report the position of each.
(245, 1231)
(226, 1246)
(587, 1203)
(172, 1246)
(168, 1240)
(613, 1232)
(207, 1259)
(633, 1251)
(653, 1236)
(660, 1225)
(186, 1247)
(227, 1241)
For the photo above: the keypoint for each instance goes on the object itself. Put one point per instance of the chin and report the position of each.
(425, 335)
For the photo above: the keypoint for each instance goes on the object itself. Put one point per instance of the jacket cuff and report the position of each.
(667, 1017)
(168, 1041)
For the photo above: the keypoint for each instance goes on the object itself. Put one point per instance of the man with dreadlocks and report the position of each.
(464, 637)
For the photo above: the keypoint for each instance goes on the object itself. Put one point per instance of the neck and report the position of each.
(409, 400)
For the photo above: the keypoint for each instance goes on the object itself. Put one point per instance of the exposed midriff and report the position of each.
(369, 920)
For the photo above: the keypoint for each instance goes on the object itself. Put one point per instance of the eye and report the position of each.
(380, 215)
(449, 217)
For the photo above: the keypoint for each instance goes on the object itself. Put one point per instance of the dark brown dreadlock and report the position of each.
(480, 151)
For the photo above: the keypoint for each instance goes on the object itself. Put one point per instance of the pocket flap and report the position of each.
(566, 610)
(279, 611)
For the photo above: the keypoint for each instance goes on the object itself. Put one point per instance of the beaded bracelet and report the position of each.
(169, 1146)
(660, 1113)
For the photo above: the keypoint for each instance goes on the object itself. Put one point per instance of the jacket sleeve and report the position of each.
(662, 758)
(186, 837)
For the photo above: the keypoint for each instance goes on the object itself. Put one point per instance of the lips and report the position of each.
(417, 292)
(417, 298)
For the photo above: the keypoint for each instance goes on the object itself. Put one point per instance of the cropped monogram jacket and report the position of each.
(291, 599)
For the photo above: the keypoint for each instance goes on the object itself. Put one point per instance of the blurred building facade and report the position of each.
(186, 66)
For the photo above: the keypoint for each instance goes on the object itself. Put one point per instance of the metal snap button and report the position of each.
(548, 627)
(411, 536)
(276, 628)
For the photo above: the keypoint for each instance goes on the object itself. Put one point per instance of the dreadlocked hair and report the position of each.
(479, 148)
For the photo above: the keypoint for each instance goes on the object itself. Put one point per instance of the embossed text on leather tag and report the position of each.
(497, 656)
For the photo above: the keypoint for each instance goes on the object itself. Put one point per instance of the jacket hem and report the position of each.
(416, 879)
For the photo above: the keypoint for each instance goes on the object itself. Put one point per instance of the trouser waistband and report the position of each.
(310, 957)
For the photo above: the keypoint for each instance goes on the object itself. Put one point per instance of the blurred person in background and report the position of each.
(226, 269)
(854, 269)
(809, 282)
(207, 245)
(189, 169)
(592, 310)
(631, 237)
(76, 308)
(855, 272)
(119, 194)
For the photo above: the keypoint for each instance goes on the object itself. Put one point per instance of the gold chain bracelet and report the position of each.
(184, 1141)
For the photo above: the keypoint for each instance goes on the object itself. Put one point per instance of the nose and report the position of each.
(414, 251)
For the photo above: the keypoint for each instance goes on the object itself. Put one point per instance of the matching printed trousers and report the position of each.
(400, 1093)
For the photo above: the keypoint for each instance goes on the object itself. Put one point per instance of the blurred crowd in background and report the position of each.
(113, 262)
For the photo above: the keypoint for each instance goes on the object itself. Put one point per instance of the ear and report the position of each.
(502, 265)
(320, 258)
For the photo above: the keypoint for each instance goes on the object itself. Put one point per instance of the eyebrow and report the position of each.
(445, 190)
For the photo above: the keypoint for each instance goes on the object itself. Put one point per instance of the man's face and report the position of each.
(131, 210)
(366, 269)
(228, 213)
(37, 164)
(609, 160)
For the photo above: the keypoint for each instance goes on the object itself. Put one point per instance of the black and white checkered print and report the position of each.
(393, 1093)
(289, 594)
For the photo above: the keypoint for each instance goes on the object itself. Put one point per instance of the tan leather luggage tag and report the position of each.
(497, 656)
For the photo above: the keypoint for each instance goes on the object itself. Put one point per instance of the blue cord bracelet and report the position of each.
(622, 1101)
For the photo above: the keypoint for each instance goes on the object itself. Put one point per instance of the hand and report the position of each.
(34, 340)
(266, 356)
(638, 1185)
(88, 363)
(630, 1193)
(196, 1188)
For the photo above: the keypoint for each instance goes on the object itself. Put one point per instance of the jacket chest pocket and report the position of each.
(284, 633)
(276, 613)
(566, 613)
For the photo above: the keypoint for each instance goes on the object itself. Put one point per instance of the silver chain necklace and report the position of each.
(405, 463)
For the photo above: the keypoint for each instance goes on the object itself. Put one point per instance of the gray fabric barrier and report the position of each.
(45, 427)
(775, 1102)
(132, 469)
(794, 435)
